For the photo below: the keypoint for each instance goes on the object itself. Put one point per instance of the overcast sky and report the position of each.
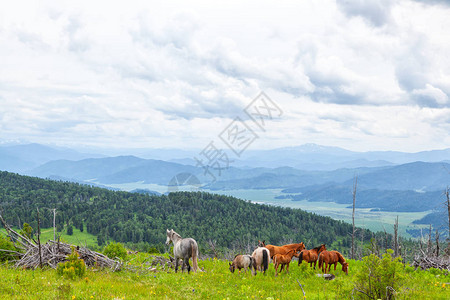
(362, 75)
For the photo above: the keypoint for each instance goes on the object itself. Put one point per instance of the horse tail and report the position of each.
(300, 258)
(194, 249)
(265, 261)
(320, 259)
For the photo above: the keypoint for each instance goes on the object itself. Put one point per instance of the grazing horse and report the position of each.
(184, 249)
(281, 249)
(261, 259)
(328, 258)
(241, 261)
(311, 256)
(283, 260)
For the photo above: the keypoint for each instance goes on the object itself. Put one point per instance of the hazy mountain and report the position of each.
(21, 158)
(419, 176)
(264, 178)
(86, 169)
(149, 171)
(317, 157)
(378, 199)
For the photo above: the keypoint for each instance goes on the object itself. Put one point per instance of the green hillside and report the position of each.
(140, 218)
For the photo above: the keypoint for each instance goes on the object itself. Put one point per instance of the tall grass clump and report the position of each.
(73, 268)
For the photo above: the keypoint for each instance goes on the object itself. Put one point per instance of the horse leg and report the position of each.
(287, 268)
(186, 262)
(335, 264)
(183, 265)
(315, 262)
(253, 267)
(176, 265)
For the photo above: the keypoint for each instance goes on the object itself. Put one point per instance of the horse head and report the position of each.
(301, 247)
(261, 244)
(232, 267)
(169, 236)
(322, 248)
(170, 233)
(345, 267)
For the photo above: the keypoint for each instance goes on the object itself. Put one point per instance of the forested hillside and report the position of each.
(135, 217)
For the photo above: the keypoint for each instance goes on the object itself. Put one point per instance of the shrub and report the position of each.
(69, 230)
(379, 278)
(113, 250)
(6, 244)
(153, 250)
(27, 230)
(73, 268)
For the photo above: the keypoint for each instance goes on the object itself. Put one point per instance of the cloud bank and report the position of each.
(363, 75)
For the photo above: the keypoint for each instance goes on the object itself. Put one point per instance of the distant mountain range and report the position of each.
(317, 157)
(22, 158)
(387, 180)
(257, 170)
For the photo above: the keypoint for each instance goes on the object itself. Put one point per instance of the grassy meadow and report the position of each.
(215, 281)
(77, 238)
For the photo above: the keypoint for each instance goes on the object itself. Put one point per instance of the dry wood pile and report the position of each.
(33, 254)
(426, 262)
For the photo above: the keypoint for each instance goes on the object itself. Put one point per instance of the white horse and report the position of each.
(261, 260)
(184, 249)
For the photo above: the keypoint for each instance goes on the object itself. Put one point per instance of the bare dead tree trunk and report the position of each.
(385, 241)
(213, 244)
(360, 251)
(353, 217)
(447, 194)
(429, 245)
(39, 237)
(54, 227)
(437, 242)
(396, 237)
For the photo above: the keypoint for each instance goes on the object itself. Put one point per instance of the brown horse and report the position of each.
(311, 256)
(328, 258)
(282, 249)
(283, 260)
(241, 262)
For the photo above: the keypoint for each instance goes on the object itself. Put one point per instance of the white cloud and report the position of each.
(143, 73)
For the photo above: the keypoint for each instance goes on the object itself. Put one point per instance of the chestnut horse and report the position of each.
(281, 249)
(311, 256)
(283, 260)
(328, 258)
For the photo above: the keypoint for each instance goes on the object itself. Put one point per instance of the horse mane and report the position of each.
(340, 257)
(318, 247)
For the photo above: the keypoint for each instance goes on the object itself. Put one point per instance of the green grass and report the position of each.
(77, 238)
(216, 282)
